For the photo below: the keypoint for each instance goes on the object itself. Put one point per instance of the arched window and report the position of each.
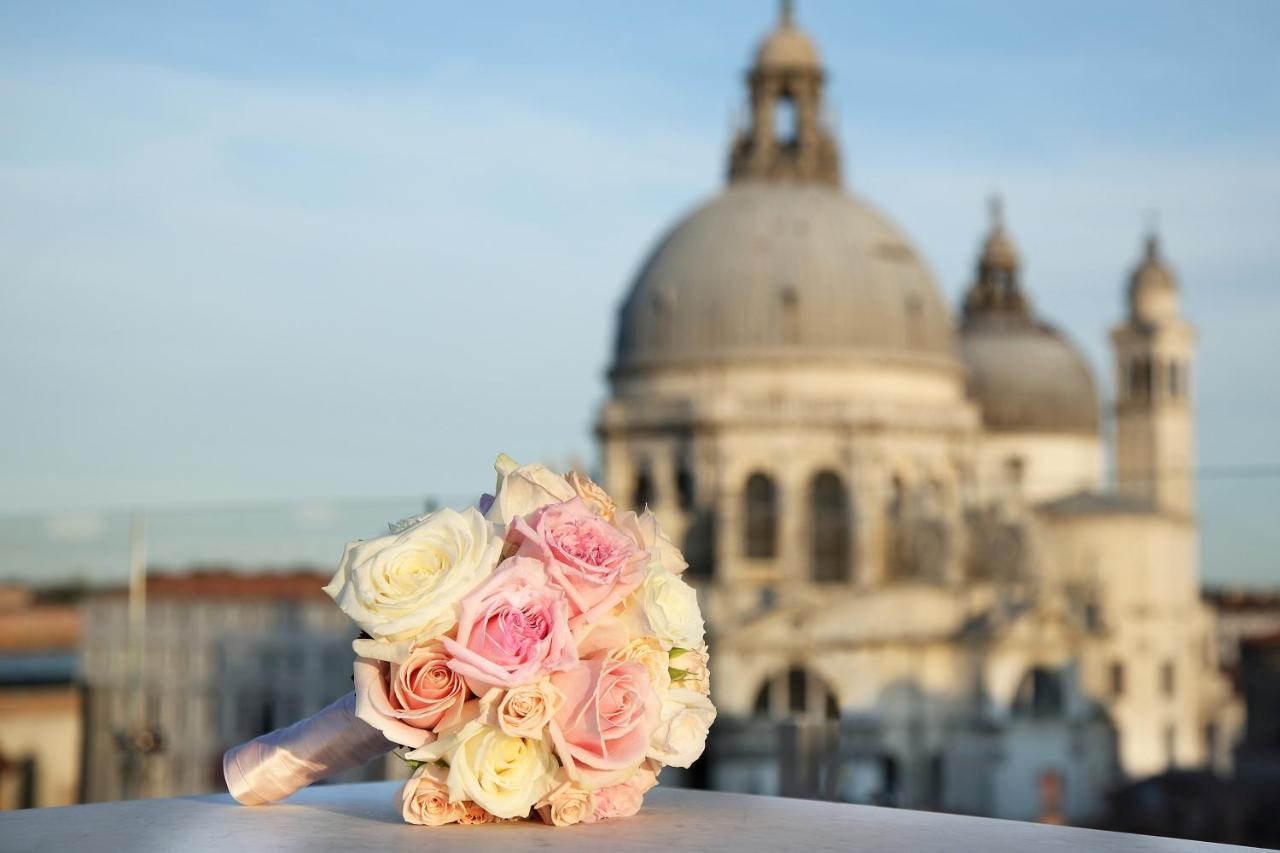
(1177, 374)
(797, 692)
(790, 298)
(642, 492)
(829, 542)
(787, 121)
(1040, 694)
(684, 486)
(761, 505)
(1142, 378)
(895, 530)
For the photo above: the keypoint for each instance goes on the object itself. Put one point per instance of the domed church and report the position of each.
(920, 588)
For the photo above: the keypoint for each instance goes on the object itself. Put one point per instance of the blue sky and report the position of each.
(300, 252)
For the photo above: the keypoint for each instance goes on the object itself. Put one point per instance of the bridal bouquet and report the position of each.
(537, 654)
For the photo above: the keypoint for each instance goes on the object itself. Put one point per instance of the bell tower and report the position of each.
(1154, 349)
(787, 139)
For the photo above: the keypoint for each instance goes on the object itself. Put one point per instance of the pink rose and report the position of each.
(512, 629)
(596, 563)
(601, 731)
(623, 799)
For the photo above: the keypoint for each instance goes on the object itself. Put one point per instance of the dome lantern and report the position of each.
(783, 266)
(786, 139)
(998, 287)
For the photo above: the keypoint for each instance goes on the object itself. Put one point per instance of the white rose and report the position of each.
(408, 584)
(524, 488)
(684, 721)
(504, 775)
(645, 530)
(670, 608)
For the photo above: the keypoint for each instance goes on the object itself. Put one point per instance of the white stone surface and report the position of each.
(366, 817)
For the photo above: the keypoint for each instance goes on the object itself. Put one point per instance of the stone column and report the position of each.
(794, 563)
(727, 499)
(617, 474)
(870, 490)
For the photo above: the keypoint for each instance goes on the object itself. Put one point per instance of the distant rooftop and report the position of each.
(1235, 598)
(27, 625)
(1097, 503)
(224, 583)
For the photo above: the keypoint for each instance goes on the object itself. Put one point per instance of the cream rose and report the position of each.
(596, 498)
(409, 584)
(522, 711)
(503, 775)
(670, 609)
(648, 652)
(644, 529)
(524, 488)
(568, 804)
(684, 720)
(424, 799)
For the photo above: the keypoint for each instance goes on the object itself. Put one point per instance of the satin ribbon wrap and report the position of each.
(275, 765)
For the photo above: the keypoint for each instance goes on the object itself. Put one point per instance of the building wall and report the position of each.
(218, 672)
(42, 724)
(1048, 465)
(1154, 662)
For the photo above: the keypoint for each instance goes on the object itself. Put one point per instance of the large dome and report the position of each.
(1027, 377)
(769, 270)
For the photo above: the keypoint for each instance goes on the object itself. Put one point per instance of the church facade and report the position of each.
(920, 588)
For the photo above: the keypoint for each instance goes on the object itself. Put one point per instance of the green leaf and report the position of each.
(677, 674)
(411, 762)
(675, 652)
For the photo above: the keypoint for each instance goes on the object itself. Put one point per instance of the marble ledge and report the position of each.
(366, 817)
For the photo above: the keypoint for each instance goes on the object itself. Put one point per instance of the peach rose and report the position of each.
(601, 732)
(596, 564)
(513, 629)
(522, 711)
(405, 690)
(568, 804)
(474, 814)
(424, 799)
(625, 798)
(596, 498)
